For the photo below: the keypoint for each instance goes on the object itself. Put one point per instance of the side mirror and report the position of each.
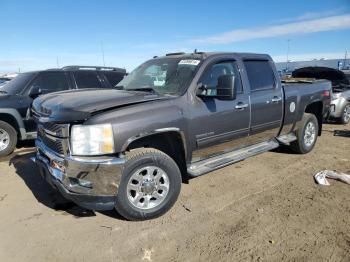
(35, 91)
(201, 90)
(225, 89)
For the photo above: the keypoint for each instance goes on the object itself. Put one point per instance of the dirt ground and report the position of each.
(266, 208)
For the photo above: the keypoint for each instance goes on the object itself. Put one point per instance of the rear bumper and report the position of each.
(338, 106)
(90, 182)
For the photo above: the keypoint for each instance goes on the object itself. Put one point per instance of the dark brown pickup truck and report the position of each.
(173, 116)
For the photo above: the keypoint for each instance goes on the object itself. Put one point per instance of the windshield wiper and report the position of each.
(3, 92)
(143, 89)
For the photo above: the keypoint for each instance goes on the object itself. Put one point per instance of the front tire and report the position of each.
(8, 139)
(345, 117)
(150, 184)
(306, 135)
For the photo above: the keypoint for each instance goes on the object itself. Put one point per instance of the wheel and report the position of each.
(8, 139)
(306, 134)
(150, 184)
(345, 117)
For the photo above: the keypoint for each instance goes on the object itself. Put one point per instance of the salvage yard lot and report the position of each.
(266, 208)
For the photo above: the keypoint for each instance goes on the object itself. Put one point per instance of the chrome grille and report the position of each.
(53, 136)
(57, 130)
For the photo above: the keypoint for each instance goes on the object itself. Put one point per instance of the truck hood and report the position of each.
(79, 105)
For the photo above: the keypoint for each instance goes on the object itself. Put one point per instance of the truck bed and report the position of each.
(298, 93)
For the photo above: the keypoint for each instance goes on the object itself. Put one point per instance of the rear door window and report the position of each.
(113, 77)
(87, 79)
(49, 82)
(260, 74)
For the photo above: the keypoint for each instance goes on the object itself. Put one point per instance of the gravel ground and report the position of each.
(266, 208)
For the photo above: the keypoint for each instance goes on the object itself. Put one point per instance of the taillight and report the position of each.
(326, 93)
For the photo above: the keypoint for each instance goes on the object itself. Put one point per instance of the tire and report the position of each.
(345, 117)
(148, 172)
(306, 135)
(8, 139)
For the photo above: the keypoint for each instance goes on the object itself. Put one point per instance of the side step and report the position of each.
(213, 163)
(287, 139)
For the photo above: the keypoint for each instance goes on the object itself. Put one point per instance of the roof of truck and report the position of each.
(83, 68)
(204, 55)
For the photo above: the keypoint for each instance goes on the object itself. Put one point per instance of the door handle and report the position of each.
(276, 99)
(241, 105)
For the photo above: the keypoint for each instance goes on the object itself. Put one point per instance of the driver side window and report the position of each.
(210, 77)
(48, 82)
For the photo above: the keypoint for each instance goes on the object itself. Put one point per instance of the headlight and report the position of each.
(92, 140)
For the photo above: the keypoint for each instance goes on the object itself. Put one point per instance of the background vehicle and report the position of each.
(127, 149)
(17, 95)
(340, 87)
(4, 80)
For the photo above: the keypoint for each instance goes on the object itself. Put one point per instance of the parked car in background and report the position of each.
(17, 95)
(340, 89)
(4, 80)
(128, 149)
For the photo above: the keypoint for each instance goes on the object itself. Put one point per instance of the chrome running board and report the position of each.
(286, 139)
(216, 162)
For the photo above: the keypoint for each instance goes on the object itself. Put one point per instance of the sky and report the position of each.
(47, 34)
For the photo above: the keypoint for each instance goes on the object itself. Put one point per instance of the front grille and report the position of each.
(58, 130)
(58, 144)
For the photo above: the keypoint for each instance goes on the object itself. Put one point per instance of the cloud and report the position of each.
(308, 56)
(299, 27)
(310, 16)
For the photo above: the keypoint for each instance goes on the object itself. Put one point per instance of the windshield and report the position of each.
(167, 76)
(16, 85)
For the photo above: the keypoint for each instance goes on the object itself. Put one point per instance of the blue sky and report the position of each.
(35, 33)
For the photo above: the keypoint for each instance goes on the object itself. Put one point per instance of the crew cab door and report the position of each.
(220, 125)
(266, 100)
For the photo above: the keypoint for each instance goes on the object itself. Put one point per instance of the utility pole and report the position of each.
(288, 42)
(103, 54)
(345, 57)
(58, 65)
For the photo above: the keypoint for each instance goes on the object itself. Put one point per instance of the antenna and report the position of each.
(288, 41)
(103, 54)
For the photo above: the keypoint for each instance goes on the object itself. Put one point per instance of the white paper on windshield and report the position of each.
(189, 62)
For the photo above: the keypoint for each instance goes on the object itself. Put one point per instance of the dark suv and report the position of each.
(17, 95)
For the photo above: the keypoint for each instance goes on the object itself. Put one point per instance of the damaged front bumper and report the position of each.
(90, 182)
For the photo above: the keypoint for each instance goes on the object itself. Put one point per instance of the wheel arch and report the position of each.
(171, 141)
(12, 119)
(316, 108)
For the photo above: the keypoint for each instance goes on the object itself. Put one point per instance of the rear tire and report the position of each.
(306, 135)
(150, 184)
(345, 117)
(8, 139)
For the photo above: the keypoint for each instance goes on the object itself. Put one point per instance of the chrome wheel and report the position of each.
(148, 187)
(4, 139)
(310, 134)
(346, 114)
